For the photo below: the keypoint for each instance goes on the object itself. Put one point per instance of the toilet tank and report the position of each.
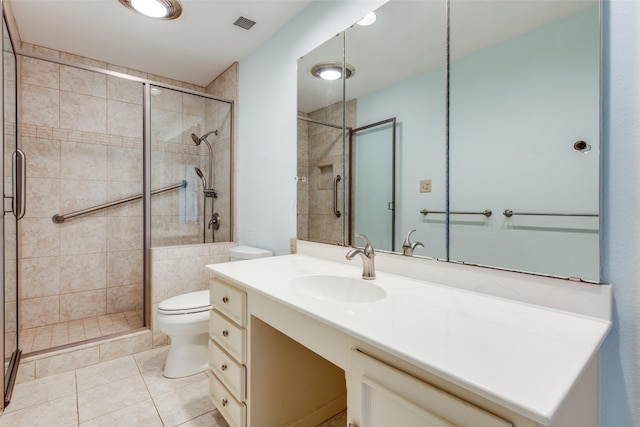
(238, 253)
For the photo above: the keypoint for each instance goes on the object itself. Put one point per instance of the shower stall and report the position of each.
(113, 172)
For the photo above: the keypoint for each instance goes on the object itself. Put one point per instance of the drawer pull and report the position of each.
(225, 300)
(223, 367)
(224, 402)
(225, 333)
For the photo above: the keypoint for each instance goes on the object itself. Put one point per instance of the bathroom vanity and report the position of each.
(296, 339)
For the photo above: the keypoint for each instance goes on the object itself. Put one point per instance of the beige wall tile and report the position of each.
(124, 298)
(36, 312)
(44, 157)
(40, 106)
(124, 90)
(82, 81)
(40, 237)
(83, 161)
(80, 305)
(66, 362)
(124, 164)
(78, 194)
(40, 277)
(124, 233)
(40, 73)
(166, 126)
(93, 268)
(124, 268)
(83, 235)
(124, 119)
(125, 347)
(43, 197)
(82, 112)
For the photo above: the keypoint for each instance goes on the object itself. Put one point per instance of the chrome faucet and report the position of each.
(368, 255)
(408, 247)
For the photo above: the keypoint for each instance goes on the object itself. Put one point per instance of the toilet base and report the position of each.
(188, 355)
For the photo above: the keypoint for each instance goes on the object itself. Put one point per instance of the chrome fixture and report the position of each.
(368, 262)
(60, 218)
(158, 9)
(336, 182)
(408, 247)
(208, 192)
(509, 213)
(332, 70)
(486, 212)
(201, 175)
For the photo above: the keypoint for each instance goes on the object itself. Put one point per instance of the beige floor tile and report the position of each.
(106, 373)
(152, 360)
(111, 397)
(185, 403)
(42, 390)
(138, 415)
(210, 419)
(57, 413)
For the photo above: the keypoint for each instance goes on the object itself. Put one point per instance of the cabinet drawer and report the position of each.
(229, 336)
(233, 411)
(230, 372)
(230, 301)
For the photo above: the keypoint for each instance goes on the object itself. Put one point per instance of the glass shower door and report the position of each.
(13, 173)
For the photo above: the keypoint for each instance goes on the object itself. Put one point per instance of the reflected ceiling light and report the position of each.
(159, 9)
(331, 70)
(369, 19)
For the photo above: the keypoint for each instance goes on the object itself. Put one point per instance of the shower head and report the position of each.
(197, 140)
(201, 175)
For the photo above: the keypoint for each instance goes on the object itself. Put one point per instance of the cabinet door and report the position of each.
(380, 396)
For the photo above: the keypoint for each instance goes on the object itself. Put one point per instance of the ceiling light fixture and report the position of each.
(369, 19)
(159, 9)
(331, 70)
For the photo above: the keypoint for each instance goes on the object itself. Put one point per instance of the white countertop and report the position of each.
(523, 357)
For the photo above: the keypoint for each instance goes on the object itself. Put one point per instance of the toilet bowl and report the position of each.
(185, 319)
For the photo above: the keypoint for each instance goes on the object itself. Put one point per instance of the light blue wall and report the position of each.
(620, 244)
(267, 165)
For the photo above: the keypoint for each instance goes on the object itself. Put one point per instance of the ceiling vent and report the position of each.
(245, 23)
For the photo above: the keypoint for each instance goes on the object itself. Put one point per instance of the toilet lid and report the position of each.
(192, 301)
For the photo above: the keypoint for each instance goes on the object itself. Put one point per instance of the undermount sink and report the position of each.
(338, 288)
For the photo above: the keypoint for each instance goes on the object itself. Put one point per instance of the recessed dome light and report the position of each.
(369, 19)
(331, 70)
(159, 9)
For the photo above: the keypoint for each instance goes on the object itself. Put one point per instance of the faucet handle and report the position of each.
(407, 242)
(368, 247)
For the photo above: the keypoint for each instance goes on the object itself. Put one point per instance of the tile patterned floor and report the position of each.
(46, 337)
(126, 392)
(129, 391)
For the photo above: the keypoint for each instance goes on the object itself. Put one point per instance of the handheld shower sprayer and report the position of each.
(201, 175)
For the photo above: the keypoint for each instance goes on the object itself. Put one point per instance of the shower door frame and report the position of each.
(146, 153)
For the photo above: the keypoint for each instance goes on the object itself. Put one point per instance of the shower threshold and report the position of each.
(62, 335)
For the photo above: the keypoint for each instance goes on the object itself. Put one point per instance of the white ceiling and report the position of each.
(195, 48)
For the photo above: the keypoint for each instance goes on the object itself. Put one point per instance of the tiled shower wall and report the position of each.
(82, 134)
(323, 162)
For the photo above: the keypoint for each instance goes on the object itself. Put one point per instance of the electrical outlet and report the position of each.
(425, 186)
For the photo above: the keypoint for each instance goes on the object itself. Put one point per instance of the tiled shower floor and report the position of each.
(129, 391)
(46, 337)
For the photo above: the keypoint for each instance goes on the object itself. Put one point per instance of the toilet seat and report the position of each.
(192, 302)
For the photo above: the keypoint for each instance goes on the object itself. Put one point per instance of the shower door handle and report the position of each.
(19, 166)
(336, 180)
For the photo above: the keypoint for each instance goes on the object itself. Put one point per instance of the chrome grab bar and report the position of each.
(336, 180)
(486, 212)
(509, 213)
(60, 218)
(19, 169)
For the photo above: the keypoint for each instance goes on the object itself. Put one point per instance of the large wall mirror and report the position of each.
(500, 170)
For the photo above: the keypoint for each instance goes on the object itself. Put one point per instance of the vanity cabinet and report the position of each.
(381, 395)
(228, 352)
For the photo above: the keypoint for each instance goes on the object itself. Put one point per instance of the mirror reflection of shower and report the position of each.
(207, 189)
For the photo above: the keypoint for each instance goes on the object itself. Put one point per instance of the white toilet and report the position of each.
(185, 318)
